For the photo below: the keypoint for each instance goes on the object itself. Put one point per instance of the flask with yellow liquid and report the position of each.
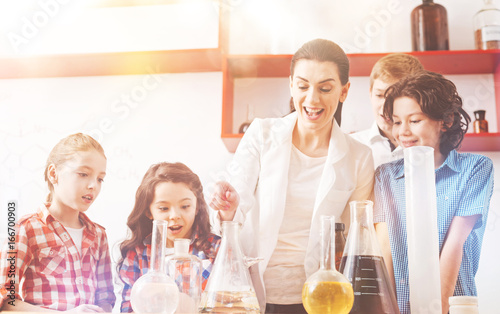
(327, 291)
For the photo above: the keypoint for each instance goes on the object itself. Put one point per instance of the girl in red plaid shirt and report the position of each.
(170, 192)
(61, 259)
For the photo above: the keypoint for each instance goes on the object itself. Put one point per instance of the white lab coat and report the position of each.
(259, 172)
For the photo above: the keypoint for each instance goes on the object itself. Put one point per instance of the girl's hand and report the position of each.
(87, 308)
(225, 200)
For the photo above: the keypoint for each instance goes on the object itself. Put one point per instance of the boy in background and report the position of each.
(387, 71)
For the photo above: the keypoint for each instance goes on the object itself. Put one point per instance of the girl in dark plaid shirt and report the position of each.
(170, 192)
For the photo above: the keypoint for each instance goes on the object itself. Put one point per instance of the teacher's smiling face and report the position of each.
(316, 90)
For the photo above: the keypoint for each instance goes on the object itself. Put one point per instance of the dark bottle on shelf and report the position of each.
(339, 243)
(480, 124)
(429, 27)
(244, 126)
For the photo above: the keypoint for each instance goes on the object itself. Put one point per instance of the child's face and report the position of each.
(77, 182)
(377, 99)
(414, 128)
(174, 203)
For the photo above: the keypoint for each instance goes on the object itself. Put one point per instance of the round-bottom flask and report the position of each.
(155, 292)
(327, 291)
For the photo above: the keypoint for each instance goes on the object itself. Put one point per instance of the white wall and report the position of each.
(178, 116)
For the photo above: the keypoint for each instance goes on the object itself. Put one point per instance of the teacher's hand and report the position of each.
(225, 200)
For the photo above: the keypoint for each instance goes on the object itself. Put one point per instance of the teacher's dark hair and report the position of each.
(323, 50)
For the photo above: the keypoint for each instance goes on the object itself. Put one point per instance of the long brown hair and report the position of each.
(138, 222)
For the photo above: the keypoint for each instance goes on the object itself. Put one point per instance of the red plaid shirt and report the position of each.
(49, 270)
(136, 264)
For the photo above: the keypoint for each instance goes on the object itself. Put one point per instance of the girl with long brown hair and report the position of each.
(170, 192)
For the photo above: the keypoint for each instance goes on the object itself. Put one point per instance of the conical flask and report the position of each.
(186, 270)
(229, 287)
(364, 266)
(155, 292)
(327, 291)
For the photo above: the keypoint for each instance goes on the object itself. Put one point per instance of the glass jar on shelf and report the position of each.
(487, 26)
(429, 27)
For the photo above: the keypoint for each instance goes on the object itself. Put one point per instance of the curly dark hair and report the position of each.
(438, 99)
(141, 226)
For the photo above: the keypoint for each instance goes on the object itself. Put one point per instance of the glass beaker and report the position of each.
(229, 287)
(327, 291)
(155, 292)
(186, 271)
(364, 266)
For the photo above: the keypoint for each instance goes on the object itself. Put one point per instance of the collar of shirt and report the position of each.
(450, 162)
(47, 218)
(374, 134)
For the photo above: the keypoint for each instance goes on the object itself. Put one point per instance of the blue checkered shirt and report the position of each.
(464, 185)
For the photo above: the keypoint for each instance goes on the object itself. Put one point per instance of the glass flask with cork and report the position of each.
(186, 270)
(229, 288)
(327, 291)
(155, 291)
(364, 266)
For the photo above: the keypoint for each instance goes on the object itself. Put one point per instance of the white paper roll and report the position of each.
(422, 230)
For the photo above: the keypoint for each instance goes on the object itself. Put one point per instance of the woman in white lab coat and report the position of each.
(289, 171)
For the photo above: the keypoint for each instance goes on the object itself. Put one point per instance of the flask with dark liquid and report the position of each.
(429, 27)
(487, 27)
(339, 243)
(364, 266)
(480, 124)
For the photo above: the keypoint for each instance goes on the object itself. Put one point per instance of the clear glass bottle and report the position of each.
(155, 292)
(229, 287)
(480, 124)
(487, 26)
(364, 265)
(327, 291)
(429, 27)
(186, 270)
(339, 243)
